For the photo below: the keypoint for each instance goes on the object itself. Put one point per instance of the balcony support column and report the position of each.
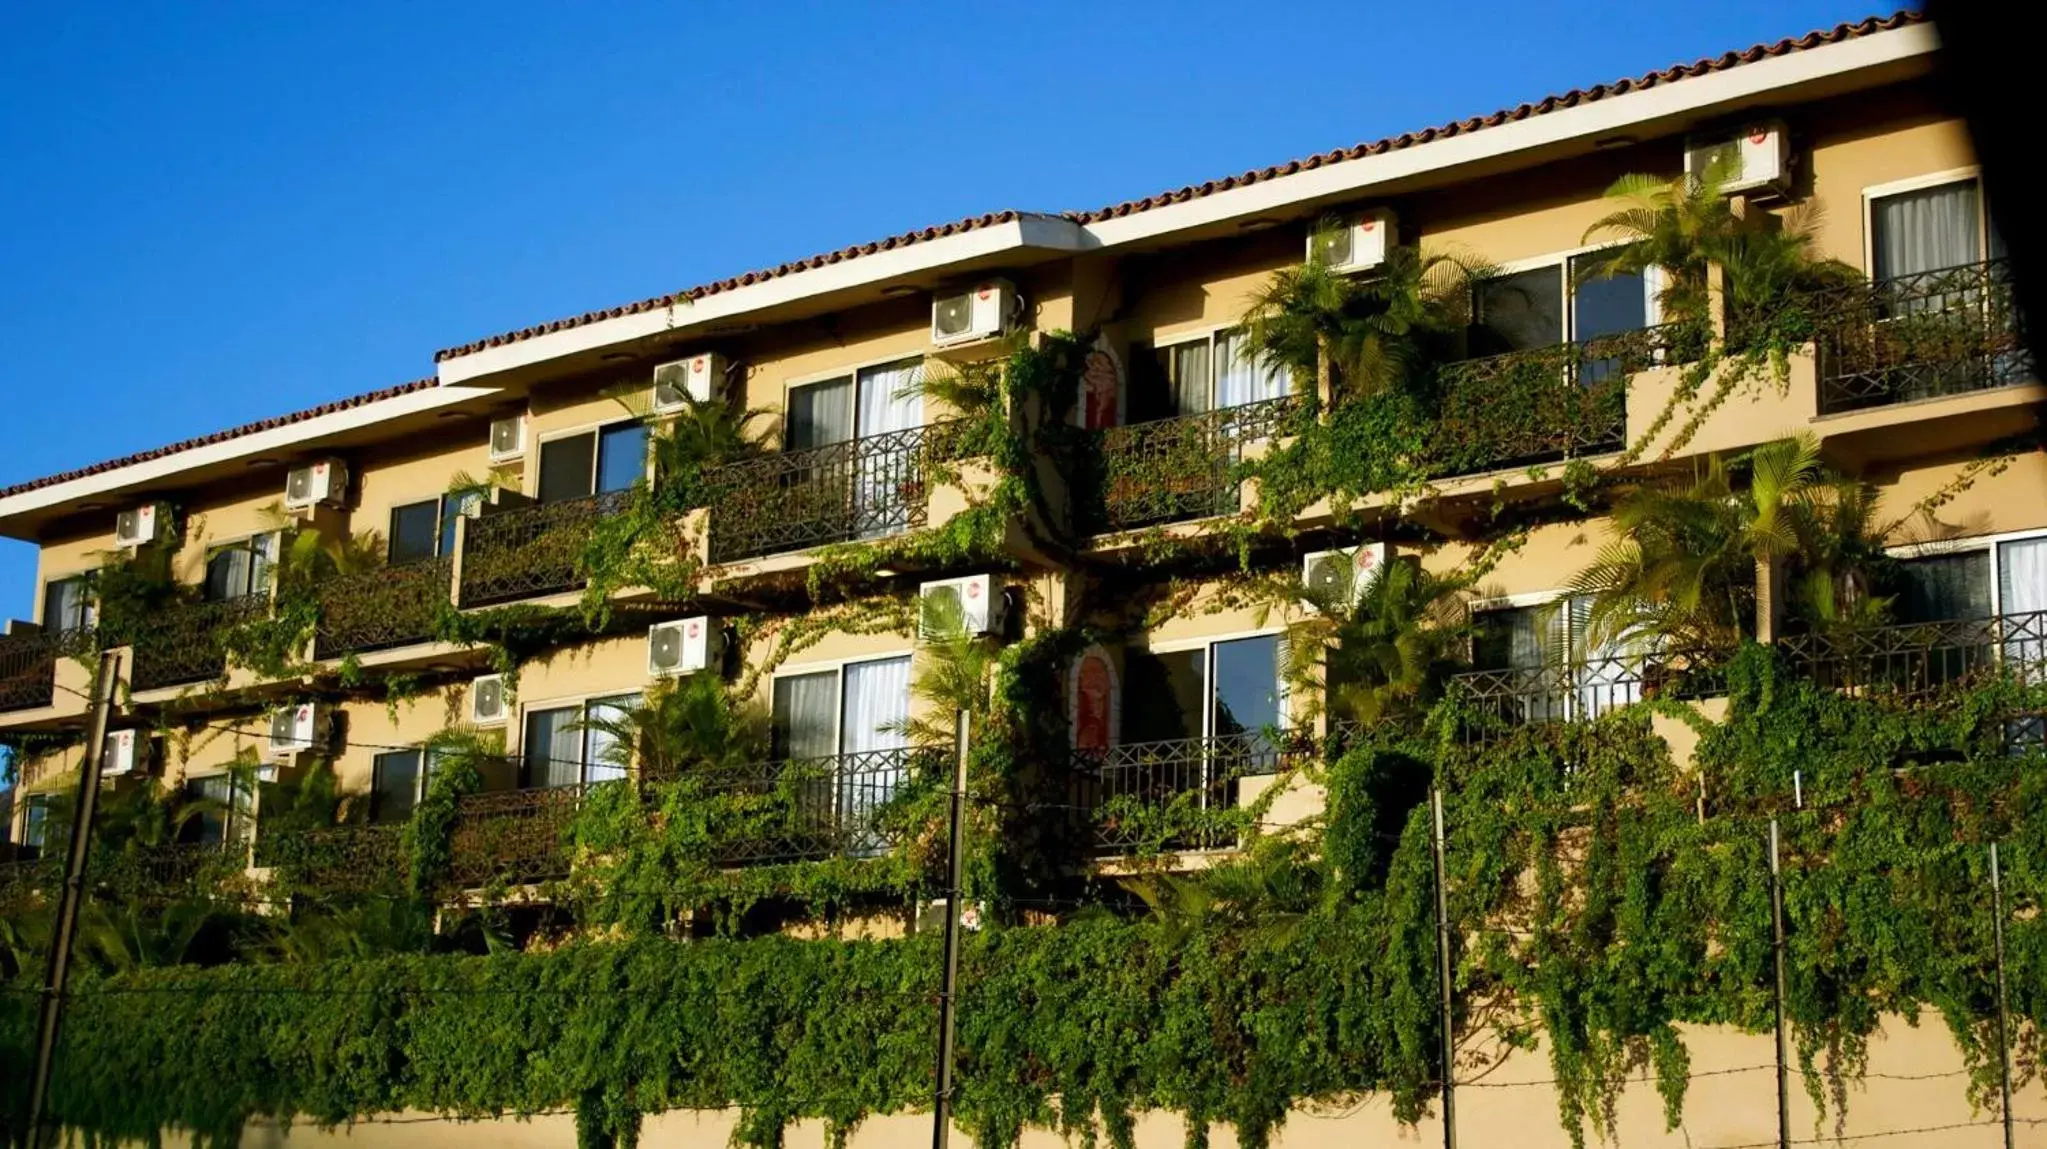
(1771, 594)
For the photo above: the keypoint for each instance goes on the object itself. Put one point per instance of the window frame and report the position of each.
(272, 561)
(1969, 173)
(849, 373)
(1282, 689)
(238, 823)
(447, 508)
(35, 820)
(89, 601)
(420, 775)
(836, 667)
(1186, 337)
(580, 703)
(1993, 543)
(1652, 286)
(595, 430)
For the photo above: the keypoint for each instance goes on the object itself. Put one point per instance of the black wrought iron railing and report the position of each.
(864, 488)
(1915, 659)
(171, 872)
(1180, 794)
(381, 609)
(514, 836)
(1920, 336)
(1548, 403)
(185, 643)
(1583, 689)
(335, 859)
(28, 665)
(531, 551)
(809, 809)
(1172, 470)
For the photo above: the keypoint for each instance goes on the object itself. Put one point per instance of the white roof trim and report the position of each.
(1599, 118)
(1031, 231)
(281, 439)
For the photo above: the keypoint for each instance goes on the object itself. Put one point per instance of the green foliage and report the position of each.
(1384, 649)
(458, 759)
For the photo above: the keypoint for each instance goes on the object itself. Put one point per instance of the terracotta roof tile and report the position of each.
(222, 436)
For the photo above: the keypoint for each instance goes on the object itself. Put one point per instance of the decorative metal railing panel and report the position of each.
(380, 609)
(171, 873)
(187, 643)
(513, 836)
(1172, 470)
(1585, 688)
(1548, 403)
(863, 488)
(1917, 659)
(809, 809)
(336, 859)
(28, 665)
(1175, 794)
(1919, 336)
(531, 551)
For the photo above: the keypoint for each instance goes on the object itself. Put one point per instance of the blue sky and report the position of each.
(214, 212)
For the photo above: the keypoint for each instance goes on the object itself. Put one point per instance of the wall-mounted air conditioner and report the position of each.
(1354, 242)
(980, 312)
(508, 439)
(488, 704)
(293, 730)
(1750, 159)
(143, 525)
(1343, 575)
(974, 600)
(124, 752)
(683, 646)
(700, 377)
(322, 483)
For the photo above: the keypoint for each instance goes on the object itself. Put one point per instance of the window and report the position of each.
(67, 604)
(35, 821)
(593, 462)
(1999, 577)
(852, 716)
(569, 745)
(216, 810)
(867, 402)
(424, 530)
(1204, 374)
(1546, 657)
(1216, 690)
(237, 570)
(1562, 302)
(1930, 229)
(396, 782)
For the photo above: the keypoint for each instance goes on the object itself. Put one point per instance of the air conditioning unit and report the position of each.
(124, 752)
(488, 705)
(1352, 242)
(1755, 158)
(683, 646)
(700, 377)
(1344, 575)
(143, 525)
(293, 730)
(976, 597)
(978, 313)
(507, 438)
(324, 482)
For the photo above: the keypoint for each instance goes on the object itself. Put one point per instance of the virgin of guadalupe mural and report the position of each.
(1101, 388)
(1093, 690)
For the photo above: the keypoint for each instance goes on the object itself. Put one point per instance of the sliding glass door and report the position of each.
(842, 733)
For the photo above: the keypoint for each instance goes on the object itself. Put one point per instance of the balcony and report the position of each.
(185, 643)
(336, 859)
(1925, 336)
(28, 666)
(1173, 470)
(863, 488)
(806, 810)
(1572, 691)
(1178, 794)
(381, 609)
(530, 551)
(513, 836)
(1919, 659)
(1548, 403)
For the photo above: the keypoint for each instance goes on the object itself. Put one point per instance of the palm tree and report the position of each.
(1385, 649)
(681, 726)
(1379, 331)
(954, 677)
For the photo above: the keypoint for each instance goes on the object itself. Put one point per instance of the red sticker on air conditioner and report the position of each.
(1759, 135)
(973, 590)
(984, 292)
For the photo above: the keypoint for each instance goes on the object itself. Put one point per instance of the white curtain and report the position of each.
(1240, 379)
(1609, 674)
(1926, 230)
(2022, 590)
(887, 403)
(608, 755)
(1193, 390)
(554, 748)
(875, 702)
(819, 414)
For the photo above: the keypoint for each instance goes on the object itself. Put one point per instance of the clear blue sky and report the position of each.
(213, 212)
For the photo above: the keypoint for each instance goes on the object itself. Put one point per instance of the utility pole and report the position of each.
(2003, 1010)
(956, 865)
(57, 968)
(1777, 951)
(1444, 972)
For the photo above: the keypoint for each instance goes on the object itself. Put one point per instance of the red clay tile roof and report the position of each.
(222, 436)
(1570, 99)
